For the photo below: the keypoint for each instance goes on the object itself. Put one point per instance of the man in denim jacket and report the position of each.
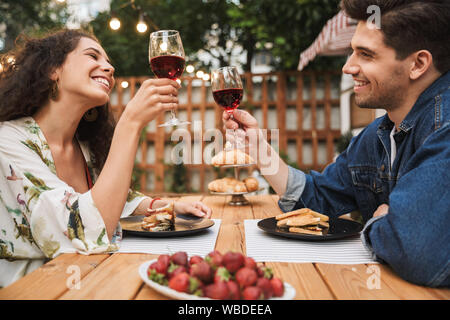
(396, 172)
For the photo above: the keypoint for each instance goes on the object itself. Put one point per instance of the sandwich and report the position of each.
(304, 221)
(160, 219)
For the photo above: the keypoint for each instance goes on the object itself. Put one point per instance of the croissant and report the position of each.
(230, 185)
(231, 157)
(251, 184)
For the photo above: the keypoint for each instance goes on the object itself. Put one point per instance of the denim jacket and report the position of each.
(414, 237)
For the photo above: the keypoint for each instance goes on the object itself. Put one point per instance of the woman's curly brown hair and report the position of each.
(25, 86)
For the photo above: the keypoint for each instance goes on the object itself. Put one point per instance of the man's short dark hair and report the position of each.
(410, 25)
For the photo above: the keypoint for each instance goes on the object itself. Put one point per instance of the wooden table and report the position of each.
(115, 276)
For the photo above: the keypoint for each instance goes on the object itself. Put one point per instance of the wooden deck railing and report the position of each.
(303, 106)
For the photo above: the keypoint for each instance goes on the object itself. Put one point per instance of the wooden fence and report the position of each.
(303, 106)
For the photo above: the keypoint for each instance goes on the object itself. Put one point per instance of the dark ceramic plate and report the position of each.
(184, 225)
(339, 228)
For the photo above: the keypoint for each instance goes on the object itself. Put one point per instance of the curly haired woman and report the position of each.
(65, 165)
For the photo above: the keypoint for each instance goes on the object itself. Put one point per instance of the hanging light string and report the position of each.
(141, 26)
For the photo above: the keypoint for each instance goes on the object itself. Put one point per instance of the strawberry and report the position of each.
(164, 259)
(195, 287)
(180, 282)
(233, 287)
(222, 274)
(175, 269)
(266, 287)
(180, 258)
(217, 290)
(214, 259)
(277, 286)
(246, 277)
(202, 271)
(252, 293)
(249, 263)
(159, 267)
(156, 276)
(265, 272)
(195, 259)
(233, 261)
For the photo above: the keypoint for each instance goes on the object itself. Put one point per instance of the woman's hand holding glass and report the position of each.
(154, 97)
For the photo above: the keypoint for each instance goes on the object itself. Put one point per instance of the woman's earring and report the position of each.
(91, 115)
(54, 90)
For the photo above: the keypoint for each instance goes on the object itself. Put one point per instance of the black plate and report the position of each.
(339, 228)
(184, 225)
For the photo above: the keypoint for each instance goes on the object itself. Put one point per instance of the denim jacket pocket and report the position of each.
(368, 189)
(366, 177)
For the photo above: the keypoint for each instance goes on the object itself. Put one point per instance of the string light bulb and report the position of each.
(190, 68)
(199, 74)
(141, 26)
(114, 23)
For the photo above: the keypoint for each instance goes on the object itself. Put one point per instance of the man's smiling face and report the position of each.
(380, 79)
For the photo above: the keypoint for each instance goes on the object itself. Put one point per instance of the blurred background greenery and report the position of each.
(213, 31)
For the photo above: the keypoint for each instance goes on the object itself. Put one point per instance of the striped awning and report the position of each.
(333, 40)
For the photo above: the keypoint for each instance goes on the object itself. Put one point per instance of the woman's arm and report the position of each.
(111, 188)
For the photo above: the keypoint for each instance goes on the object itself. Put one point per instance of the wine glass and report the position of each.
(228, 91)
(166, 55)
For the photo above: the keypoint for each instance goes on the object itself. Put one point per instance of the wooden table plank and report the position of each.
(351, 282)
(264, 206)
(216, 203)
(405, 290)
(232, 235)
(307, 282)
(53, 278)
(303, 276)
(116, 278)
(147, 293)
(440, 293)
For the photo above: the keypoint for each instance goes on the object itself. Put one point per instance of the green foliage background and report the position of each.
(216, 27)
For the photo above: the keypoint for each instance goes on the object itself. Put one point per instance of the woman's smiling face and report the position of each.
(86, 74)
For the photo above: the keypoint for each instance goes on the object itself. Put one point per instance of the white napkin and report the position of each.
(200, 243)
(264, 247)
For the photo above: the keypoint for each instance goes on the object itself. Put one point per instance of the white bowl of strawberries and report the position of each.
(231, 276)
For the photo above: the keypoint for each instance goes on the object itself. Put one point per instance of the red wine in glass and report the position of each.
(166, 57)
(167, 66)
(229, 99)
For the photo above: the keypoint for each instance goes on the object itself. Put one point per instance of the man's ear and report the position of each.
(422, 60)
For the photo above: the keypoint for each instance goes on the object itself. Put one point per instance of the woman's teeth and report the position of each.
(103, 81)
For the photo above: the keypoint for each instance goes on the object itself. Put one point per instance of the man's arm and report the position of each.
(413, 237)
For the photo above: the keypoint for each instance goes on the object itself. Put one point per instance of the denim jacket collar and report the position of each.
(413, 115)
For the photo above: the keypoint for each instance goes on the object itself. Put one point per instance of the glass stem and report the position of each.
(172, 112)
(234, 131)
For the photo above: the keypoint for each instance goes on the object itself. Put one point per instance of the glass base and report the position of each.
(174, 122)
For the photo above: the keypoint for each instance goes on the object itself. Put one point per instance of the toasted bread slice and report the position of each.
(282, 223)
(303, 230)
(324, 224)
(292, 213)
(302, 221)
(319, 215)
(160, 219)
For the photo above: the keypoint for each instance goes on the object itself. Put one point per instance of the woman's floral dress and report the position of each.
(41, 216)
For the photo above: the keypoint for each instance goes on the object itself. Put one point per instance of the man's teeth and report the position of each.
(360, 83)
(102, 80)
